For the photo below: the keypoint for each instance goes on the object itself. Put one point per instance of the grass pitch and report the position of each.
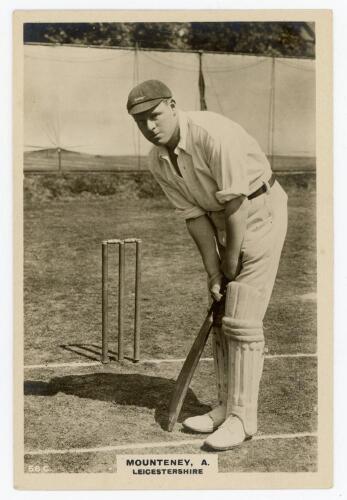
(89, 407)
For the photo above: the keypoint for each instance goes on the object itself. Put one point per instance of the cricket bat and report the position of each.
(190, 364)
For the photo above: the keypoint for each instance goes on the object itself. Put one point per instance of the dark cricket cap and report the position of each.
(147, 95)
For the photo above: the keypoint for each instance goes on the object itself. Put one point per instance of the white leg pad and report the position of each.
(242, 326)
(220, 357)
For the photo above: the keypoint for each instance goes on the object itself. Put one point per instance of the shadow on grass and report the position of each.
(120, 389)
(91, 351)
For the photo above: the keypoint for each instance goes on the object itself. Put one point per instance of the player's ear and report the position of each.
(172, 104)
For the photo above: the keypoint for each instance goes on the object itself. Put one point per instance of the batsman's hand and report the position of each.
(215, 285)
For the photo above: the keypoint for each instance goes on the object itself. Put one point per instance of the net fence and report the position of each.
(75, 97)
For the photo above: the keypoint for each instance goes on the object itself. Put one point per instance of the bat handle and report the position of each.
(217, 308)
(223, 289)
(224, 284)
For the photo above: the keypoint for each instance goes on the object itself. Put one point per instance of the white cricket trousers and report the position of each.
(263, 242)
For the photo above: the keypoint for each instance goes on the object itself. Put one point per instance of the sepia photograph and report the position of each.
(170, 256)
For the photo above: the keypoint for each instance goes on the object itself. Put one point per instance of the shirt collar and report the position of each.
(182, 143)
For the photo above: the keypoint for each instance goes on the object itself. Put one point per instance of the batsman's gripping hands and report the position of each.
(228, 270)
(217, 286)
(221, 262)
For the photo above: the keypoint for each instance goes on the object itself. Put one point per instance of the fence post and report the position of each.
(203, 105)
(59, 160)
(136, 81)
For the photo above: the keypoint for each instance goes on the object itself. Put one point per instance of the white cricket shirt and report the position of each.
(218, 161)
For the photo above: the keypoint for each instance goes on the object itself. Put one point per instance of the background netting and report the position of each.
(75, 98)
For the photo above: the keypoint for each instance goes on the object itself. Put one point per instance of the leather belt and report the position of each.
(262, 188)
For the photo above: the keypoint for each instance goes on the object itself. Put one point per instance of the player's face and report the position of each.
(158, 124)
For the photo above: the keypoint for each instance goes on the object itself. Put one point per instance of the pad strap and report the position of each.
(243, 329)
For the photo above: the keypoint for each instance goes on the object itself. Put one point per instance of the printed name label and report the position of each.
(167, 465)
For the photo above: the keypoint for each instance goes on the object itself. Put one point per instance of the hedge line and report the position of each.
(43, 188)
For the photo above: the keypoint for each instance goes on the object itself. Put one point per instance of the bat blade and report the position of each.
(188, 369)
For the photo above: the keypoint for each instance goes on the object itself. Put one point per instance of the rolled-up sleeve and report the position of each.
(228, 164)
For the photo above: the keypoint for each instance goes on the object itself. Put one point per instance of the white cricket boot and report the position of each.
(208, 422)
(231, 433)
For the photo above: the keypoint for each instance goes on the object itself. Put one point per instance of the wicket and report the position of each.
(121, 280)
